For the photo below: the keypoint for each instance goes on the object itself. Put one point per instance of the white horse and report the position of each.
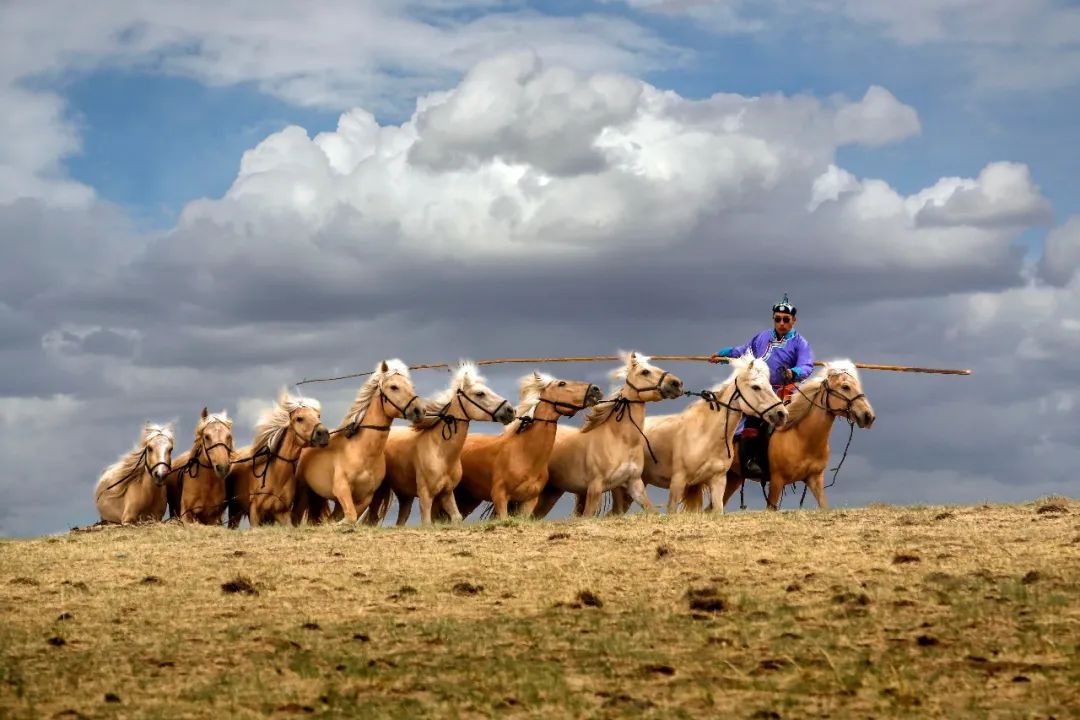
(695, 447)
(132, 489)
(609, 449)
(424, 461)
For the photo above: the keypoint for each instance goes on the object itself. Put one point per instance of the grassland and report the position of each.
(877, 612)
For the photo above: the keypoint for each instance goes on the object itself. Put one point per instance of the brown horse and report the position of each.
(197, 481)
(262, 482)
(352, 466)
(513, 466)
(609, 450)
(425, 461)
(800, 451)
(132, 489)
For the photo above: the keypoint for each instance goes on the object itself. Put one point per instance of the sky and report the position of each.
(202, 203)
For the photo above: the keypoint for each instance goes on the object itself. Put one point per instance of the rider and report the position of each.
(790, 361)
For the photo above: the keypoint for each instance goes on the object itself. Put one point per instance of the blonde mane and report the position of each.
(221, 417)
(465, 375)
(367, 391)
(123, 470)
(274, 422)
(602, 411)
(801, 404)
(528, 398)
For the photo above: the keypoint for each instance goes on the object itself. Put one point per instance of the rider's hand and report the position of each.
(788, 375)
(714, 358)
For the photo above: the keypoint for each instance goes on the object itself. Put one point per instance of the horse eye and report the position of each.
(846, 386)
(301, 420)
(646, 373)
(755, 387)
(393, 387)
(562, 383)
(481, 394)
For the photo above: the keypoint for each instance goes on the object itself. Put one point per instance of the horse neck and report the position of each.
(536, 442)
(814, 423)
(725, 420)
(288, 450)
(372, 441)
(625, 429)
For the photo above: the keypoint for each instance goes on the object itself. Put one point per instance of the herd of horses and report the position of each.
(297, 470)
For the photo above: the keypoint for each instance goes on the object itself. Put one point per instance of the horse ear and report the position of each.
(205, 413)
(633, 358)
(536, 375)
(384, 367)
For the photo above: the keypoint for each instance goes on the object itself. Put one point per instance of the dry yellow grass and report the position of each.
(882, 612)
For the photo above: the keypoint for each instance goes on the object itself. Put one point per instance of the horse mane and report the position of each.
(272, 423)
(465, 375)
(528, 398)
(221, 417)
(367, 391)
(602, 411)
(123, 470)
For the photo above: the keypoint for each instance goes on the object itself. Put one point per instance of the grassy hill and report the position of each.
(883, 612)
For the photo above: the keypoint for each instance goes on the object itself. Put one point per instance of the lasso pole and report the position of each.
(610, 358)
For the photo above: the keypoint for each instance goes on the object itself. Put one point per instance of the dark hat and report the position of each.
(785, 306)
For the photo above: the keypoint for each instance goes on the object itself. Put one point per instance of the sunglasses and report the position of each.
(781, 319)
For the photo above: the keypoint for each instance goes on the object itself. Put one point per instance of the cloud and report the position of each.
(1061, 256)
(1002, 195)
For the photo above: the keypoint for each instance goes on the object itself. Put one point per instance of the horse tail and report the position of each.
(380, 504)
(694, 498)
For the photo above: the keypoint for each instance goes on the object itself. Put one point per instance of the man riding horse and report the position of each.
(790, 361)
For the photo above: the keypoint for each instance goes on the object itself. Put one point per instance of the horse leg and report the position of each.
(449, 505)
(636, 488)
(404, 508)
(734, 482)
(776, 490)
(501, 501)
(676, 491)
(817, 486)
(465, 501)
(343, 495)
(592, 499)
(547, 499)
(426, 499)
(620, 501)
(527, 507)
(579, 505)
(717, 492)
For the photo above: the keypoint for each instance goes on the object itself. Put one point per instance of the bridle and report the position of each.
(450, 423)
(356, 426)
(715, 403)
(144, 461)
(527, 421)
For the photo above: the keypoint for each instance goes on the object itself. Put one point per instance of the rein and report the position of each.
(356, 426)
(450, 423)
(143, 463)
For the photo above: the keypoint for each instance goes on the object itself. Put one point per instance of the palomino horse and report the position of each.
(513, 466)
(425, 461)
(609, 450)
(694, 447)
(800, 451)
(352, 467)
(263, 478)
(132, 489)
(197, 481)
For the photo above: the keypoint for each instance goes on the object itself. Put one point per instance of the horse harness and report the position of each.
(527, 421)
(143, 462)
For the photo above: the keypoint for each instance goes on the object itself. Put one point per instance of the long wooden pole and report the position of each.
(606, 358)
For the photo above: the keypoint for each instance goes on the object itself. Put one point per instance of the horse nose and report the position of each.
(414, 414)
(505, 415)
(779, 417)
(159, 476)
(594, 395)
(673, 387)
(221, 469)
(868, 418)
(321, 436)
